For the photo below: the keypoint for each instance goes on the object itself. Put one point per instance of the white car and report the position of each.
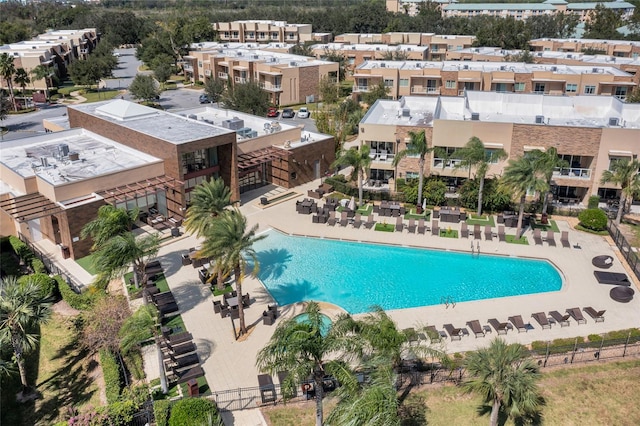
(303, 112)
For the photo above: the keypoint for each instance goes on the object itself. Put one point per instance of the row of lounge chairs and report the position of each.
(179, 357)
(550, 238)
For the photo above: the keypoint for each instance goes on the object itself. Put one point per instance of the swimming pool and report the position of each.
(356, 276)
(324, 327)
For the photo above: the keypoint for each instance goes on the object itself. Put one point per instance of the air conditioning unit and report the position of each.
(383, 65)
(569, 56)
(406, 112)
(614, 121)
(465, 67)
(554, 69)
(539, 119)
(475, 116)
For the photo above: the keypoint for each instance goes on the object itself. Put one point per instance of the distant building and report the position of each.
(618, 48)
(263, 31)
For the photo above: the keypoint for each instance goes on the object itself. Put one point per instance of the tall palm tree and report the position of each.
(506, 379)
(42, 72)
(21, 78)
(547, 161)
(117, 254)
(475, 155)
(520, 176)
(111, 221)
(23, 308)
(623, 173)
(7, 70)
(360, 161)
(301, 349)
(419, 146)
(229, 240)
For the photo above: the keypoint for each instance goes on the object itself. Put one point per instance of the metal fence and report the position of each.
(625, 248)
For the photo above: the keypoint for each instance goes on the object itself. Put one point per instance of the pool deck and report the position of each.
(230, 364)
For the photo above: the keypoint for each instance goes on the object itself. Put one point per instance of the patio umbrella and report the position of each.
(352, 203)
(424, 204)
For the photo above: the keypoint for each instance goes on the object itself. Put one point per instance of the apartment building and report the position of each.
(263, 31)
(589, 132)
(55, 49)
(357, 54)
(617, 48)
(451, 78)
(289, 79)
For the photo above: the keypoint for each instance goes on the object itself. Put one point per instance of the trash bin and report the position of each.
(192, 387)
(263, 201)
(66, 253)
(175, 232)
(545, 219)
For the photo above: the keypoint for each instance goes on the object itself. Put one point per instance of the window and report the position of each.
(519, 87)
(621, 92)
(404, 82)
(450, 84)
(250, 34)
(411, 175)
(388, 83)
(571, 88)
(492, 158)
(589, 90)
(262, 35)
(613, 160)
(235, 34)
(539, 88)
(501, 87)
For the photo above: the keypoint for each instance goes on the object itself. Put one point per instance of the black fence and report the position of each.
(51, 266)
(625, 248)
(144, 416)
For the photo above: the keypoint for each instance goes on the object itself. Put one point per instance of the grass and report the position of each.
(161, 283)
(203, 387)
(473, 219)
(385, 227)
(63, 374)
(513, 240)
(591, 231)
(551, 225)
(449, 233)
(228, 288)
(413, 215)
(102, 95)
(87, 264)
(176, 323)
(365, 210)
(573, 396)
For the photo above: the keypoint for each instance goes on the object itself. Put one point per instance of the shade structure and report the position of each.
(352, 203)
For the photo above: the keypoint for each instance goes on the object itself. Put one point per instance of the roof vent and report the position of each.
(503, 67)
(539, 119)
(293, 64)
(614, 121)
(383, 65)
(63, 150)
(594, 70)
(465, 67)
(554, 69)
(475, 116)
(44, 161)
(569, 56)
(406, 112)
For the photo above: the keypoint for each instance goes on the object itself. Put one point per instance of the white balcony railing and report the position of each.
(381, 157)
(187, 67)
(271, 87)
(240, 80)
(207, 73)
(425, 90)
(448, 163)
(223, 75)
(357, 88)
(573, 173)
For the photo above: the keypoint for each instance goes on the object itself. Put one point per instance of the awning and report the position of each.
(257, 157)
(367, 75)
(493, 145)
(269, 72)
(142, 188)
(475, 79)
(502, 80)
(436, 77)
(534, 148)
(617, 153)
(240, 67)
(548, 80)
(617, 83)
(28, 207)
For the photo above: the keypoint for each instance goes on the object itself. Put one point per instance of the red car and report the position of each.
(272, 112)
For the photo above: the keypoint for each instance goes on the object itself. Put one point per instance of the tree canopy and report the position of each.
(246, 97)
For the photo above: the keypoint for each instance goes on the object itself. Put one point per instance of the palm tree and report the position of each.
(520, 176)
(506, 379)
(360, 161)
(7, 70)
(301, 349)
(419, 146)
(114, 258)
(23, 308)
(547, 161)
(21, 78)
(41, 72)
(229, 240)
(208, 200)
(475, 155)
(623, 173)
(111, 221)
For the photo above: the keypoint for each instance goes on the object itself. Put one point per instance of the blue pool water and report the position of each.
(356, 276)
(326, 322)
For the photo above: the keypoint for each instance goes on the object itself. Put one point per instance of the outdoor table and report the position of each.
(232, 301)
(447, 215)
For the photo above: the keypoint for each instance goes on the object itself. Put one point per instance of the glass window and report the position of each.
(571, 88)
(450, 84)
(589, 90)
(404, 82)
(539, 88)
(621, 92)
(388, 83)
(519, 87)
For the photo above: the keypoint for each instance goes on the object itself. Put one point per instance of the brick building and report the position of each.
(618, 48)
(263, 31)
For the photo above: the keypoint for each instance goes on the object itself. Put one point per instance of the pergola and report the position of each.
(29, 207)
(255, 158)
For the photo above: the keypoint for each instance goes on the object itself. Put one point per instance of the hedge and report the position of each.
(611, 338)
(111, 373)
(193, 412)
(594, 219)
(161, 411)
(134, 363)
(48, 285)
(82, 301)
(21, 249)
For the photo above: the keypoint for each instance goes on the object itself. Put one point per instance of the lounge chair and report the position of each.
(537, 237)
(550, 238)
(577, 315)
(598, 316)
(488, 234)
(518, 323)
(370, 222)
(614, 278)
(268, 318)
(464, 230)
(454, 333)
(412, 226)
(436, 213)
(501, 235)
(622, 294)
(435, 230)
(477, 232)
(332, 218)
(177, 350)
(564, 239)
(499, 327)
(175, 339)
(476, 328)
(435, 335)
(421, 226)
(357, 222)
(399, 224)
(182, 362)
(563, 320)
(186, 375)
(344, 218)
(542, 319)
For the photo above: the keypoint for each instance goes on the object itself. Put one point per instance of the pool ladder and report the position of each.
(448, 300)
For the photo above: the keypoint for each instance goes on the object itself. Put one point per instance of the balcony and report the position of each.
(425, 90)
(357, 88)
(240, 80)
(446, 163)
(187, 67)
(207, 73)
(572, 173)
(271, 87)
(223, 75)
(381, 157)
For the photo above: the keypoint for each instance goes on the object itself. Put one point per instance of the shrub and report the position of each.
(48, 285)
(82, 301)
(594, 219)
(133, 361)
(111, 373)
(161, 411)
(193, 412)
(38, 266)
(21, 249)
(593, 202)
(8, 263)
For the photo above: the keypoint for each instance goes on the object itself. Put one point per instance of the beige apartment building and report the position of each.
(617, 48)
(453, 78)
(263, 31)
(55, 49)
(357, 54)
(589, 132)
(289, 79)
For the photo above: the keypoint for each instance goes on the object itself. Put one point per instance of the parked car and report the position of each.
(288, 113)
(204, 99)
(303, 112)
(273, 112)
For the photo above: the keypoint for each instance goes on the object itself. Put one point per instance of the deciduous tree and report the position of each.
(144, 87)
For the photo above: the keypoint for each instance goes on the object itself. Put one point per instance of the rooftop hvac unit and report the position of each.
(614, 121)
(539, 119)
(503, 67)
(554, 69)
(594, 70)
(74, 156)
(569, 56)
(44, 161)
(465, 67)
(293, 64)
(383, 65)
(233, 123)
(192, 116)
(63, 150)
(406, 112)
(256, 56)
(475, 116)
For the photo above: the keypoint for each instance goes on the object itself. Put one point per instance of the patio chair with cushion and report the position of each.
(435, 335)
(332, 218)
(598, 316)
(550, 238)
(564, 239)
(537, 237)
(421, 226)
(577, 315)
(453, 332)
(464, 230)
(603, 262)
(542, 319)
(357, 222)
(344, 218)
(477, 232)
(518, 323)
(563, 320)
(501, 235)
(399, 224)
(499, 327)
(622, 294)
(370, 222)
(412, 226)
(476, 328)
(435, 230)
(614, 278)
(488, 234)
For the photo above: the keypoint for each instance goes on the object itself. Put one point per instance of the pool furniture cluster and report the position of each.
(622, 294)
(229, 305)
(269, 316)
(164, 302)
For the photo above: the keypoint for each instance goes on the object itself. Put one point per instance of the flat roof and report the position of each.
(588, 41)
(571, 111)
(499, 6)
(552, 54)
(159, 124)
(250, 54)
(97, 155)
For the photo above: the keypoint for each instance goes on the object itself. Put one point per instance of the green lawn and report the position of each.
(102, 95)
(385, 227)
(175, 323)
(486, 220)
(87, 264)
(365, 210)
(551, 225)
(513, 240)
(228, 288)
(449, 233)
(413, 215)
